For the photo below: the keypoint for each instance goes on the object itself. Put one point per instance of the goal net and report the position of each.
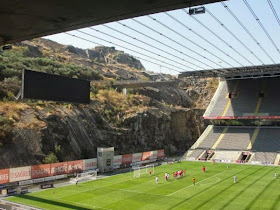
(89, 175)
(140, 171)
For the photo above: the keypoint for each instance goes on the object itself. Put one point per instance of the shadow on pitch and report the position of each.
(276, 202)
(247, 187)
(56, 203)
(226, 188)
(261, 193)
(176, 205)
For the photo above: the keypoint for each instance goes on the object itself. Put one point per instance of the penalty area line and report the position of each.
(133, 191)
(196, 183)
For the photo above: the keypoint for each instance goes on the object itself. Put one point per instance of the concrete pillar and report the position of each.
(124, 91)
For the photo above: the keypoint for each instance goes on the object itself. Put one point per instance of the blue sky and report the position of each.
(214, 56)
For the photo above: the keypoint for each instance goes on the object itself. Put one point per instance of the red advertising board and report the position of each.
(126, 159)
(4, 176)
(160, 153)
(75, 166)
(117, 160)
(58, 168)
(39, 171)
(146, 156)
(240, 117)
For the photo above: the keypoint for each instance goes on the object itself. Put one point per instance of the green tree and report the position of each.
(50, 158)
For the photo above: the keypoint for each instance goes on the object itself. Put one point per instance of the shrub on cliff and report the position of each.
(50, 158)
(6, 127)
(13, 61)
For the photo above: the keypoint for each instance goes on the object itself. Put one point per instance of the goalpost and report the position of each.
(140, 171)
(89, 175)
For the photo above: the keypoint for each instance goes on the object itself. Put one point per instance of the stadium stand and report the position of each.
(263, 142)
(226, 156)
(196, 153)
(244, 104)
(221, 90)
(220, 99)
(211, 138)
(264, 157)
(267, 140)
(236, 139)
(271, 98)
(245, 98)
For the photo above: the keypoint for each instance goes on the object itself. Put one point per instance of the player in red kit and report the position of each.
(180, 173)
(203, 169)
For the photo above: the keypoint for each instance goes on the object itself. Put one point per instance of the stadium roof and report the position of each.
(22, 20)
(237, 73)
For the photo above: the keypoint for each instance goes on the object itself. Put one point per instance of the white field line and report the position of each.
(196, 183)
(139, 192)
(104, 177)
(91, 189)
(217, 180)
(84, 204)
(100, 187)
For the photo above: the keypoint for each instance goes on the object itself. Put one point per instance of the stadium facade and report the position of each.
(248, 98)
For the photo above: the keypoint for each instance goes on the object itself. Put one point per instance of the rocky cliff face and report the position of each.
(145, 119)
(80, 130)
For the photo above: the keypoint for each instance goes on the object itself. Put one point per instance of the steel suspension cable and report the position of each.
(179, 43)
(78, 37)
(216, 35)
(232, 34)
(261, 25)
(125, 48)
(152, 46)
(184, 37)
(136, 46)
(274, 11)
(247, 31)
(185, 26)
(156, 40)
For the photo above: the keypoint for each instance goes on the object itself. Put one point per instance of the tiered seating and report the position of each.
(196, 153)
(236, 139)
(212, 137)
(269, 105)
(226, 155)
(268, 140)
(265, 157)
(221, 100)
(247, 98)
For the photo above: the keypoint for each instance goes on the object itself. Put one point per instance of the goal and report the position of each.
(140, 171)
(89, 175)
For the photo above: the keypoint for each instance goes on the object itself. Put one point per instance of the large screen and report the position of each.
(43, 86)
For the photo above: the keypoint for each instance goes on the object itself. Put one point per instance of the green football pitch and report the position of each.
(256, 188)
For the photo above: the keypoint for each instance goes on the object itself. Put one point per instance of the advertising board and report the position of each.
(90, 164)
(58, 168)
(126, 159)
(20, 174)
(40, 171)
(75, 166)
(4, 176)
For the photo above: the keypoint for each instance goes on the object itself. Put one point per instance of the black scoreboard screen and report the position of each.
(50, 87)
